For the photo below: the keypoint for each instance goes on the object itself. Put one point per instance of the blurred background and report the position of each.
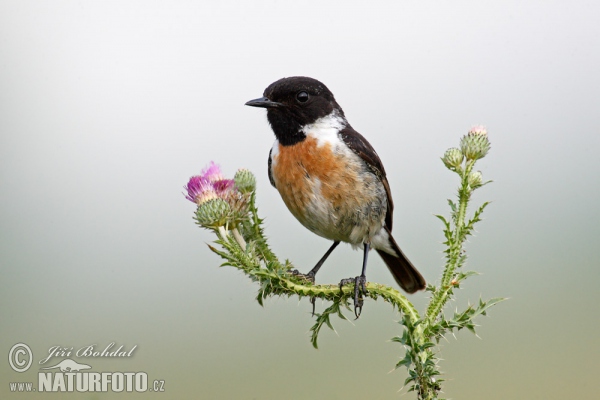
(107, 108)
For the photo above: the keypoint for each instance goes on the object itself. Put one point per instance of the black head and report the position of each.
(293, 103)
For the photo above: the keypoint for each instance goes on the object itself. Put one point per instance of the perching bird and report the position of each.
(331, 178)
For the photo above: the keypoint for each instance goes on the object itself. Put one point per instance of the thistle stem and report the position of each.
(238, 238)
(222, 232)
(441, 295)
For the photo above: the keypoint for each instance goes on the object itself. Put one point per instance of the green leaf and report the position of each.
(426, 346)
(483, 307)
(447, 229)
(452, 206)
(406, 361)
(324, 318)
(464, 275)
(444, 220)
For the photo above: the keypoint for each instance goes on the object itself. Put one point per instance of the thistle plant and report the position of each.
(227, 207)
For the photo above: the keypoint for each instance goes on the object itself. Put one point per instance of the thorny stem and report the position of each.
(441, 295)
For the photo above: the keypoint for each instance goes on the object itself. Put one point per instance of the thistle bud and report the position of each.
(245, 181)
(475, 179)
(453, 159)
(475, 144)
(213, 213)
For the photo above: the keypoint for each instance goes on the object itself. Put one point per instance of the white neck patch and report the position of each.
(275, 149)
(326, 128)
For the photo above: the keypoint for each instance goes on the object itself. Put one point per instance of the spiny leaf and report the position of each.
(483, 307)
(426, 346)
(444, 220)
(324, 318)
(447, 229)
(464, 275)
(477, 215)
(406, 361)
(452, 205)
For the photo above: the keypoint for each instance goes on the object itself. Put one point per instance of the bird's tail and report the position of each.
(407, 276)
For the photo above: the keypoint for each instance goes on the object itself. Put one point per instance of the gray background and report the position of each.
(107, 108)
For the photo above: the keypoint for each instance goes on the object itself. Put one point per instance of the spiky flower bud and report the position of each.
(245, 181)
(213, 213)
(453, 159)
(475, 179)
(475, 144)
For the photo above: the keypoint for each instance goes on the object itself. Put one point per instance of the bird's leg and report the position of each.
(359, 283)
(313, 272)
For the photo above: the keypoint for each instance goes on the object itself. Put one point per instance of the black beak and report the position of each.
(263, 102)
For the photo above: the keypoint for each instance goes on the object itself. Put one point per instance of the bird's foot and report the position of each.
(309, 277)
(360, 288)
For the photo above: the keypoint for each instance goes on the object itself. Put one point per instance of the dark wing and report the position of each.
(358, 144)
(271, 173)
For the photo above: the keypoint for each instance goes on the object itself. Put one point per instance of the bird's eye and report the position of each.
(302, 97)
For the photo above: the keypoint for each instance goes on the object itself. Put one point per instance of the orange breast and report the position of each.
(327, 189)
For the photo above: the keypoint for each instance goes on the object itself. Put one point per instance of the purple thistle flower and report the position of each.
(219, 200)
(209, 185)
(212, 173)
(197, 187)
(223, 186)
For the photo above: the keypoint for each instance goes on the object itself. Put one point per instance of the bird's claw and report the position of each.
(309, 277)
(359, 289)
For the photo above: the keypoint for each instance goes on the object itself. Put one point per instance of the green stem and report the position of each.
(280, 281)
(442, 294)
(238, 238)
(222, 232)
(331, 292)
(257, 232)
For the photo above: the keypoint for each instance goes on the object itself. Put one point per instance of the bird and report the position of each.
(331, 178)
